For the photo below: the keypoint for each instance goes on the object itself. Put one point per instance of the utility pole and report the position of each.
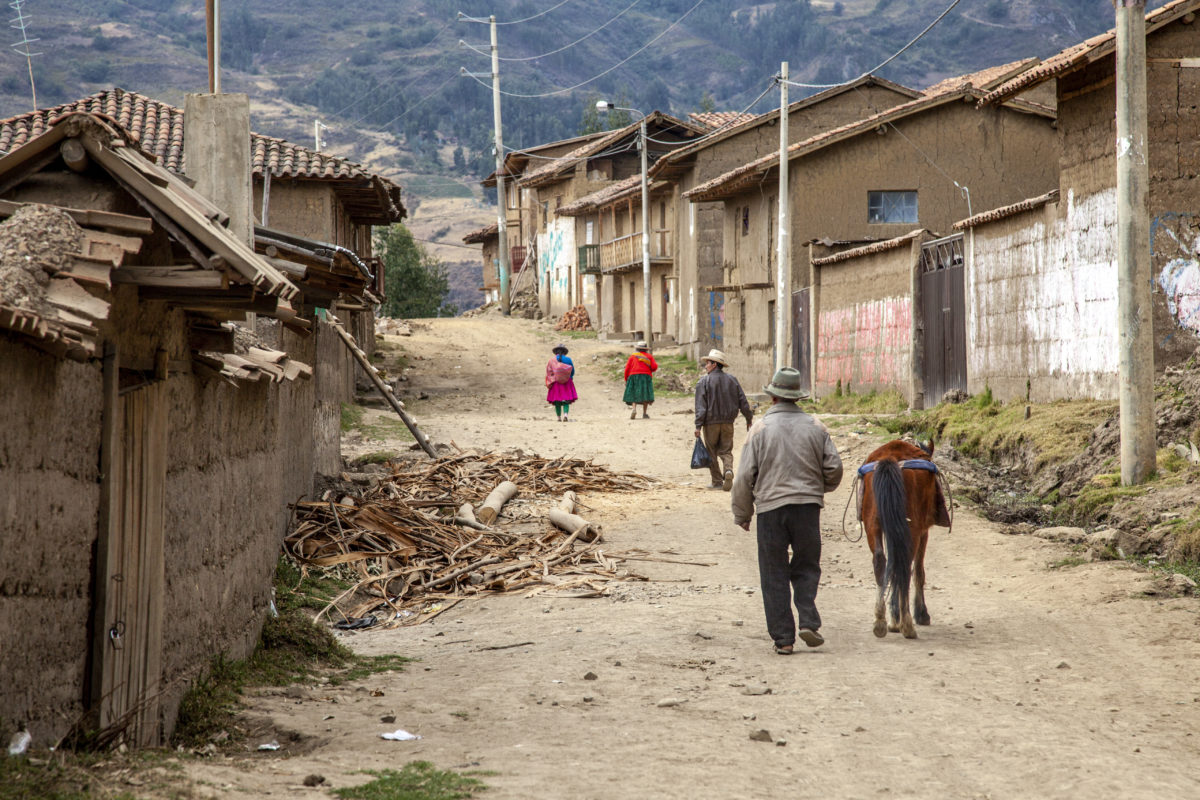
(783, 255)
(644, 145)
(213, 18)
(20, 22)
(1136, 340)
(501, 198)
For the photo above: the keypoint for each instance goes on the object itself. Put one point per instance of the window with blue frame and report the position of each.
(892, 207)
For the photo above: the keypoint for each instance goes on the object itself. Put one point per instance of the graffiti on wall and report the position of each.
(1175, 244)
(556, 260)
(866, 345)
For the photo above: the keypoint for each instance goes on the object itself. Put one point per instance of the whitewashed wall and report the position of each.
(556, 265)
(1042, 302)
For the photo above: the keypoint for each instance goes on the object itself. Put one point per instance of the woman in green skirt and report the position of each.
(639, 380)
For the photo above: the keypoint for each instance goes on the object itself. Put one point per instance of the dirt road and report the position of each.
(1032, 682)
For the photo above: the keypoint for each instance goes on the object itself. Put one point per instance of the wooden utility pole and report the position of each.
(783, 261)
(1135, 332)
(212, 9)
(501, 201)
(643, 146)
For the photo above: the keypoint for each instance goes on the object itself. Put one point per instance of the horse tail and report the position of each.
(891, 504)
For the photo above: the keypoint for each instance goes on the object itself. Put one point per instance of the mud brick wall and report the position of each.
(864, 309)
(1042, 302)
(49, 502)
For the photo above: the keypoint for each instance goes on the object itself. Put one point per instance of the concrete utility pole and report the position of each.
(783, 259)
(644, 145)
(501, 202)
(1136, 341)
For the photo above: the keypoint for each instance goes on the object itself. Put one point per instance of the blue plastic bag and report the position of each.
(700, 458)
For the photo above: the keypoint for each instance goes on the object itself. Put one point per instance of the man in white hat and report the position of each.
(789, 463)
(719, 399)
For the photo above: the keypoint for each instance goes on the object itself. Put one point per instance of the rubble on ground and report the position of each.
(574, 320)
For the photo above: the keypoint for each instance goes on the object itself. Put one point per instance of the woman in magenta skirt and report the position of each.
(560, 383)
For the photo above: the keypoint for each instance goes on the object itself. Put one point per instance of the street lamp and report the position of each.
(603, 107)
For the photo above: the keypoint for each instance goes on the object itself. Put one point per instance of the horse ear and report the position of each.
(927, 446)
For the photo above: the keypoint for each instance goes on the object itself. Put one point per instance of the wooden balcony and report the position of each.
(589, 259)
(625, 253)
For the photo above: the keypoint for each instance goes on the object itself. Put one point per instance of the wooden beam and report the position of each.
(88, 272)
(96, 244)
(90, 217)
(66, 294)
(175, 277)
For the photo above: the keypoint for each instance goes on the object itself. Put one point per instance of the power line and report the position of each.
(602, 74)
(886, 61)
(515, 21)
(559, 50)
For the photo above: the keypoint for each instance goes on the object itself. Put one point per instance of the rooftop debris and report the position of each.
(414, 553)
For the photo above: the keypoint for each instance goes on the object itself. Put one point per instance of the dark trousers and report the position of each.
(797, 527)
(718, 439)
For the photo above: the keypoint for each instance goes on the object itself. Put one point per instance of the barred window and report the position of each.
(892, 207)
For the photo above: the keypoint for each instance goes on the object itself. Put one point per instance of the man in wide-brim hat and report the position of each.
(719, 399)
(788, 464)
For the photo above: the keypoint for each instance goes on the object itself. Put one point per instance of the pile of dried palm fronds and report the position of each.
(414, 548)
(576, 319)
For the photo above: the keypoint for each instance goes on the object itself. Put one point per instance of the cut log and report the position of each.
(567, 503)
(575, 525)
(495, 501)
(465, 511)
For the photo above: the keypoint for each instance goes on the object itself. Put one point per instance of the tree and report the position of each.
(415, 281)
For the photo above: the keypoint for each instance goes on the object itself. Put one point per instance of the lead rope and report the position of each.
(855, 497)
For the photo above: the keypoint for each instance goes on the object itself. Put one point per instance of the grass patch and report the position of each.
(387, 428)
(991, 431)
(291, 648)
(419, 780)
(578, 334)
(1066, 563)
(872, 402)
(21, 778)
(378, 457)
(352, 416)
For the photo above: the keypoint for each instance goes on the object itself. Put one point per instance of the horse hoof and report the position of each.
(881, 628)
(911, 633)
(922, 620)
(894, 628)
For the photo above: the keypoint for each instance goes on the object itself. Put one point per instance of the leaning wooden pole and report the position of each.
(383, 388)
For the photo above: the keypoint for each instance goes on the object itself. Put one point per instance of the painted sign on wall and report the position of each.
(556, 263)
(1175, 240)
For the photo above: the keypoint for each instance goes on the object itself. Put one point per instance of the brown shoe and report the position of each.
(811, 637)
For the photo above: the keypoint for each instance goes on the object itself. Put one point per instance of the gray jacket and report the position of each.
(719, 398)
(788, 458)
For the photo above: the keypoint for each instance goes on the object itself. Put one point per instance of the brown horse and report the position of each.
(901, 500)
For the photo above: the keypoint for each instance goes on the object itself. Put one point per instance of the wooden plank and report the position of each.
(87, 271)
(100, 678)
(177, 277)
(66, 294)
(91, 217)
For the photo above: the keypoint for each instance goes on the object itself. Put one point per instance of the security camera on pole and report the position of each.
(603, 107)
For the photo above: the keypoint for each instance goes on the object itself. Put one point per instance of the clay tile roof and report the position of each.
(984, 79)
(1080, 55)
(611, 193)
(483, 234)
(870, 249)
(728, 183)
(550, 169)
(1007, 211)
(720, 119)
(158, 129)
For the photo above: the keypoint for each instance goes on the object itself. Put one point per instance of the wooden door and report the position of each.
(130, 578)
(801, 343)
(943, 312)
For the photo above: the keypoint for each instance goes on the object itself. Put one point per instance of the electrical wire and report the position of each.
(464, 17)
(602, 74)
(886, 61)
(559, 50)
